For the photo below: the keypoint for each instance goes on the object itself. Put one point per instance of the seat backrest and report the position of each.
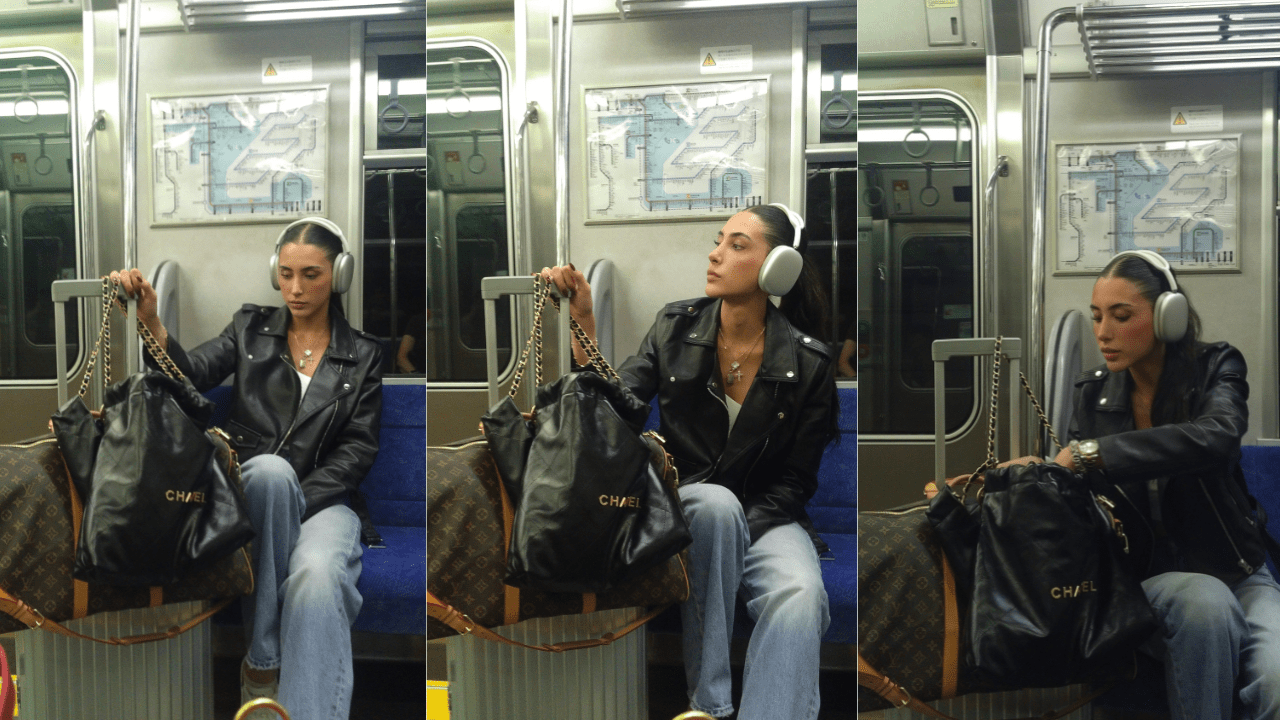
(834, 507)
(1261, 466)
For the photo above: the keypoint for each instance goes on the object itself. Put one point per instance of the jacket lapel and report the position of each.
(778, 366)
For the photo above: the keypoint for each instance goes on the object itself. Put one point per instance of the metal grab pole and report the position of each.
(562, 134)
(128, 165)
(1035, 349)
(562, 166)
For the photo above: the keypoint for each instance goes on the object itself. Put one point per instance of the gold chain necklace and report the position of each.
(306, 353)
(735, 372)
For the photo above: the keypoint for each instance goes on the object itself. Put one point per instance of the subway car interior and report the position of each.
(620, 137)
(1008, 150)
(180, 138)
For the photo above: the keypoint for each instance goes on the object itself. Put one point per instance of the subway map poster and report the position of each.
(252, 157)
(1179, 198)
(696, 150)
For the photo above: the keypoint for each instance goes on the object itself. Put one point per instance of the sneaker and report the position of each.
(250, 690)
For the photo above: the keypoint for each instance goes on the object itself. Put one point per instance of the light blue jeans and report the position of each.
(305, 599)
(1216, 639)
(781, 582)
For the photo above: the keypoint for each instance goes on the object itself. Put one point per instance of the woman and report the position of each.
(308, 400)
(748, 402)
(1163, 420)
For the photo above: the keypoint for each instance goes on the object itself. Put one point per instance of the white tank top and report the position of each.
(734, 408)
(306, 382)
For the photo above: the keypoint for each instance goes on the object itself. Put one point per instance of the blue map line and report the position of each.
(220, 136)
(665, 132)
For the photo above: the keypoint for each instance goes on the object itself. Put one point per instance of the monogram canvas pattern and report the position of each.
(900, 605)
(466, 559)
(36, 551)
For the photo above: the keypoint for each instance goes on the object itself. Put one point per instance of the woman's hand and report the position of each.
(1025, 460)
(569, 278)
(1065, 459)
(135, 285)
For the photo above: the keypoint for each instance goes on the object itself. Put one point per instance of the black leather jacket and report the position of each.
(787, 418)
(332, 439)
(1180, 481)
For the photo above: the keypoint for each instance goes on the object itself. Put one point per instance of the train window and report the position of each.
(916, 259)
(831, 159)
(395, 203)
(39, 242)
(467, 199)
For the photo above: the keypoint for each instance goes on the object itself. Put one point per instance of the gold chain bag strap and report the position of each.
(37, 588)
(470, 522)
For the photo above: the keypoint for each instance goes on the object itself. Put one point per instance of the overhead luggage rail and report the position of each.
(1184, 37)
(1156, 39)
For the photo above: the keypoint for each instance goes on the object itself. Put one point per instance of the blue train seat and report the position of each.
(393, 577)
(834, 511)
(1146, 693)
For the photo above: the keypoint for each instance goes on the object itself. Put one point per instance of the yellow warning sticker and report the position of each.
(725, 59)
(1195, 118)
(292, 69)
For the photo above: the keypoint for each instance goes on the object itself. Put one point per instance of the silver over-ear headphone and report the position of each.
(782, 266)
(344, 265)
(1170, 323)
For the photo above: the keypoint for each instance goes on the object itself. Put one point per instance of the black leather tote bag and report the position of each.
(162, 493)
(1052, 601)
(592, 507)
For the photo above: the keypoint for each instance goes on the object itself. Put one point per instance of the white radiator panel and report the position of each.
(489, 680)
(61, 677)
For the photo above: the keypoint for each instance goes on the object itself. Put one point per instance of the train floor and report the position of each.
(383, 690)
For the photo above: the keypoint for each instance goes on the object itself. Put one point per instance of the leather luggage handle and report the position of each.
(32, 618)
(450, 616)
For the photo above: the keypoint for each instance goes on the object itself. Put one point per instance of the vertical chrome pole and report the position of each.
(1035, 349)
(563, 104)
(562, 133)
(128, 165)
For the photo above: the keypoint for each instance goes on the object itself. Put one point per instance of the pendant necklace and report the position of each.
(306, 354)
(735, 371)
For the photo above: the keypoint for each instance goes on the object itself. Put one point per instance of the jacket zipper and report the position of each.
(1244, 564)
(292, 423)
(765, 446)
(715, 464)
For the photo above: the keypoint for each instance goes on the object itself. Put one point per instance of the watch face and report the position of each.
(1089, 447)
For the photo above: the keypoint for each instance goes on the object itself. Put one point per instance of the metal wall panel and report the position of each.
(1238, 307)
(225, 264)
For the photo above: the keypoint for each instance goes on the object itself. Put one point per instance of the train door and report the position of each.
(831, 171)
(469, 191)
(40, 238)
(918, 281)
